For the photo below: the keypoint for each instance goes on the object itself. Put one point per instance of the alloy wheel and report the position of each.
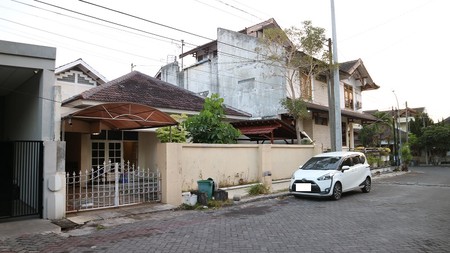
(337, 191)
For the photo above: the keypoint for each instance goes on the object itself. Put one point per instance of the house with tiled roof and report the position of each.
(403, 116)
(132, 101)
(231, 67)
(136, 87)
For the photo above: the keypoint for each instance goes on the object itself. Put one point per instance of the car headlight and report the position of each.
(327, 176)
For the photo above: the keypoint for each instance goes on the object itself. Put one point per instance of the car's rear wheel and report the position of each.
(337, 191)
(367, 185)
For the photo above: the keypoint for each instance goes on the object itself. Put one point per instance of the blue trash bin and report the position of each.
(206, 186)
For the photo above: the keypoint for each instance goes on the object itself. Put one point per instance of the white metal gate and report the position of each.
(111, 185)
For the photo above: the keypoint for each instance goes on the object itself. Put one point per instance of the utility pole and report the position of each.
(407, 121)
(394, 128)
(182, 51)
(399, 131)
(331, 98)
(336, 143)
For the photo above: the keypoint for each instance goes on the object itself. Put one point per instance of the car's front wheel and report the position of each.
(367, 185)
(337, 191)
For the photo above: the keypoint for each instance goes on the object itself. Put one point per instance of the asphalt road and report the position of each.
(405, 213)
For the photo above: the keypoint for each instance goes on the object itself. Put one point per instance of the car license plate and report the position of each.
(303, 187)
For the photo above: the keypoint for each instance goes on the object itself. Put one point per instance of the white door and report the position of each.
(348, 177)
(106, 152)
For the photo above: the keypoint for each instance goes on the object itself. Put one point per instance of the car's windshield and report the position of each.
(322, 163)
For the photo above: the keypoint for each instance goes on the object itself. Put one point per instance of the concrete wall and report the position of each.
(246, 84)
(23, 120)
(201, 77)
(320, 93)
(182, 165)
(236, 74)
(29, 109)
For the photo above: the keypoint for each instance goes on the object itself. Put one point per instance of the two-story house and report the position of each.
(231, 67)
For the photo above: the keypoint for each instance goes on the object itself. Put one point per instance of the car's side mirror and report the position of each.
(345, 167)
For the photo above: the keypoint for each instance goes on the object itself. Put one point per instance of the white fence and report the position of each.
(111, 185)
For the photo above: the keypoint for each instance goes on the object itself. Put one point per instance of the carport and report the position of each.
(116, 116)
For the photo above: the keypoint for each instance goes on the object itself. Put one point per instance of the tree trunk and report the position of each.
(298, 129)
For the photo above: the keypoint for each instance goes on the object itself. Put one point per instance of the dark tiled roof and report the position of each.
(270, 23)
(357, 69)
(137, 87)
(347, 113)
(411, 111)
(347, 66)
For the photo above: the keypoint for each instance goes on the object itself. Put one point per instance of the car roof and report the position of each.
(338, 154)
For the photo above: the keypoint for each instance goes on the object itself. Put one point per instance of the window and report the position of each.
(319, 120)
(85, 80)
(67, 78)
(347, 162)
(356, 160)
(344, 134)
(362, 159)
(247, 85)
(114, 146)
(348, 96)
(76, 77)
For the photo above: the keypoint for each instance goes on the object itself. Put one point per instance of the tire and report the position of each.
(337, 191)
(367, 185)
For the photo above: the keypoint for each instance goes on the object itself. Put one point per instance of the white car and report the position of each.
(331, 174)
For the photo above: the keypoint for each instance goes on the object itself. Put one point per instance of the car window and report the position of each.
(347, 162)
(356, 160)
(322, 163)
(362, 159)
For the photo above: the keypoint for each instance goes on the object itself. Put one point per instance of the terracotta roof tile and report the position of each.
(137, 87)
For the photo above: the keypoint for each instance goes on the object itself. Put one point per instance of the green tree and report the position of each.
(414, 144)
(372, 134)
(416, 130)
(367, 134)
(420, 121)
(436, 138)
(175, 134)
(300, 55)
(208, 125)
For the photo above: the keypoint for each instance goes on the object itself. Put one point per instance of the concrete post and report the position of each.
(54, 188)
(169, 163)
(265, 165)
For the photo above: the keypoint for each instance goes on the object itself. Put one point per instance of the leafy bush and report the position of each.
(406, 156)
(175, 134)
(371, 160)
(208, 127)
(258, 189)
